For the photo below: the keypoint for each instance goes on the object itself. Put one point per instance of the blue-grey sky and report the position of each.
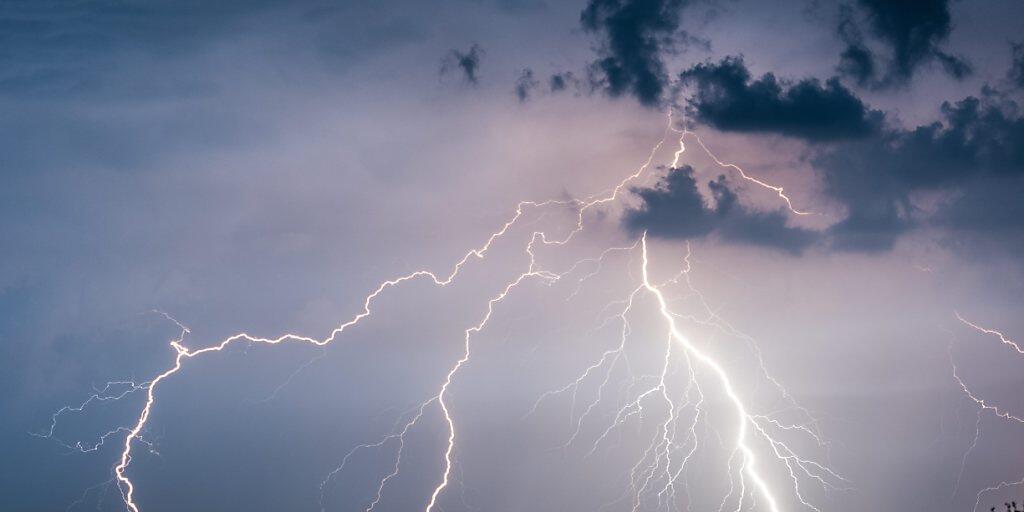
(262, 166)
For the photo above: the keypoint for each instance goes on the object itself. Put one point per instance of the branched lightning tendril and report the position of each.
(778, 190)
(756, 446)
(984, 406)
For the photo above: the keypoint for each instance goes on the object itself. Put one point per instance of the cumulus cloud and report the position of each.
(727, 98)
(676, 209)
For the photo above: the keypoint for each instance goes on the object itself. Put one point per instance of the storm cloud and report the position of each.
(726, 98)
(632, 36)
(676, 209)
(958, 174)
(973, 158)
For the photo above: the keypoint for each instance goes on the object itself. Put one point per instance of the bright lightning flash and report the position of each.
(754, 445)
(984, 405)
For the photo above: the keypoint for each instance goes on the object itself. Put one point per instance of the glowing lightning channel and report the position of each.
(743, 417)
(778, 190)
(997, 487)
(183, 353)
(984, 406)
(661, 448)
(1006, 341)
(104, 394)
(967, 391)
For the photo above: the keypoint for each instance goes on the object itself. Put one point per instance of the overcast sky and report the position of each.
(261, 166)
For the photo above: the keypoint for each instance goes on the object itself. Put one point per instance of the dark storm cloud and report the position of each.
(975, 155)
(676, 209)
(468, 63)
(633, 35)
(912, 32)
(972, 160)
(525, 84)
(726, 98)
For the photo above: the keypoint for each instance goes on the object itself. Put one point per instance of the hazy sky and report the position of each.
(262, 166)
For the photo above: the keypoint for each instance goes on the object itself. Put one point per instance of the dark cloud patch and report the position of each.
(525, 84)
(727, 98)
(633, 35)
(978, 143)
(676, 209)
(959, 174)
(858, 62)
(912, 32)
(559, 82)
(1016, 73)
(467, 63)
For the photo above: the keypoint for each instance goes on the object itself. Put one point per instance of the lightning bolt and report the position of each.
(664, 466)
(1008, 342)
(984, 405)
(744, 418)
(779, 191)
